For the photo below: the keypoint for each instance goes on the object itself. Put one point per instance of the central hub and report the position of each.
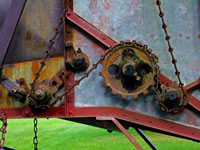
(128, 70)
(40, 97)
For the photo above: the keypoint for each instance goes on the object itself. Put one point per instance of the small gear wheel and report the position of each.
(129, 69)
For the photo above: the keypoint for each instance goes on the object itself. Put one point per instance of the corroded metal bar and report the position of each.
(145, 138)
(123, 130)
(93, 31)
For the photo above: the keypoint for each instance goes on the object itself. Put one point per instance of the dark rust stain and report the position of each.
(180, 35)
(28, 36)
(34, 68)
(198, 36)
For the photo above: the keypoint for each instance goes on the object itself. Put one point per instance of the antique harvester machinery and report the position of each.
(56, 64)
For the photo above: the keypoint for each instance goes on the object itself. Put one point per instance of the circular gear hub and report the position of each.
(129, 69)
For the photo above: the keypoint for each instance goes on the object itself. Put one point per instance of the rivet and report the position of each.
(70, 112)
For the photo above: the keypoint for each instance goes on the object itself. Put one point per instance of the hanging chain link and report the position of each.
(35, 139)
(43, 63)
(3, 130)
(170, 49)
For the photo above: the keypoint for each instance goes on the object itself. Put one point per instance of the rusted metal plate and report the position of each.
(141, 23)
(34, 30)
(27, 71)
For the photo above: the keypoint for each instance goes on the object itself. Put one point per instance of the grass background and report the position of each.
(56, 134)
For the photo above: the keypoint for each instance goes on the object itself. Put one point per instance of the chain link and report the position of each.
(3, 130)
(145, 47)
(51, 44)
(77, 82)
(170, 49)
(35, 139)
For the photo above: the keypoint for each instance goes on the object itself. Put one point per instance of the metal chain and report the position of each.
(145, 47)
(43, 63)
(170, 49)
(35, 139)
(77, 82)
(3, 130)
(51, 44)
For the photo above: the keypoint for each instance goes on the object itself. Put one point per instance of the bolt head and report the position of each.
(39, 94)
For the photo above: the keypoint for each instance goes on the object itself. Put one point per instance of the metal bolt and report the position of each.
(69, 100)
(39, 94)
(79, 50)
(14, 91)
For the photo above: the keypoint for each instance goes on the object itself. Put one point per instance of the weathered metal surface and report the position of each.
(34, 30)
(142, 24)
(27, 71)
(9, 26)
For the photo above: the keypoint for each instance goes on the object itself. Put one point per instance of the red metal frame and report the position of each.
(169, 127)
(108, 42)
(69, 110)
(90, 29)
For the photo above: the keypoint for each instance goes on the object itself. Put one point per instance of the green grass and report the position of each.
(56, 134)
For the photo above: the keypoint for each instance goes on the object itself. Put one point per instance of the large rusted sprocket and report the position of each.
(129, 69)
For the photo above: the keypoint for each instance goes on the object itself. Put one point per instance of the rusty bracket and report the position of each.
(13, 88)
(122, 129)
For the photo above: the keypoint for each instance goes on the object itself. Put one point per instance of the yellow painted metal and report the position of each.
(27, 71)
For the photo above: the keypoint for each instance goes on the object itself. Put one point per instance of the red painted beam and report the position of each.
(174, 128)
(194, 102)
(192, 86)
(92, 30)
(108, 42)
(159, 124)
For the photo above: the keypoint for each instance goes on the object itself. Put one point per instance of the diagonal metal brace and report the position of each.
(123, 130)
(9, 26)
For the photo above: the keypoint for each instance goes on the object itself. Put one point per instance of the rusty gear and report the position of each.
(171, 99)
(129, 69)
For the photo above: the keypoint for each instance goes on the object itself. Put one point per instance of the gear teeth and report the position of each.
(140, 43)
(135, 97)
(108, 84)
(124, 97)
(146, 92)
